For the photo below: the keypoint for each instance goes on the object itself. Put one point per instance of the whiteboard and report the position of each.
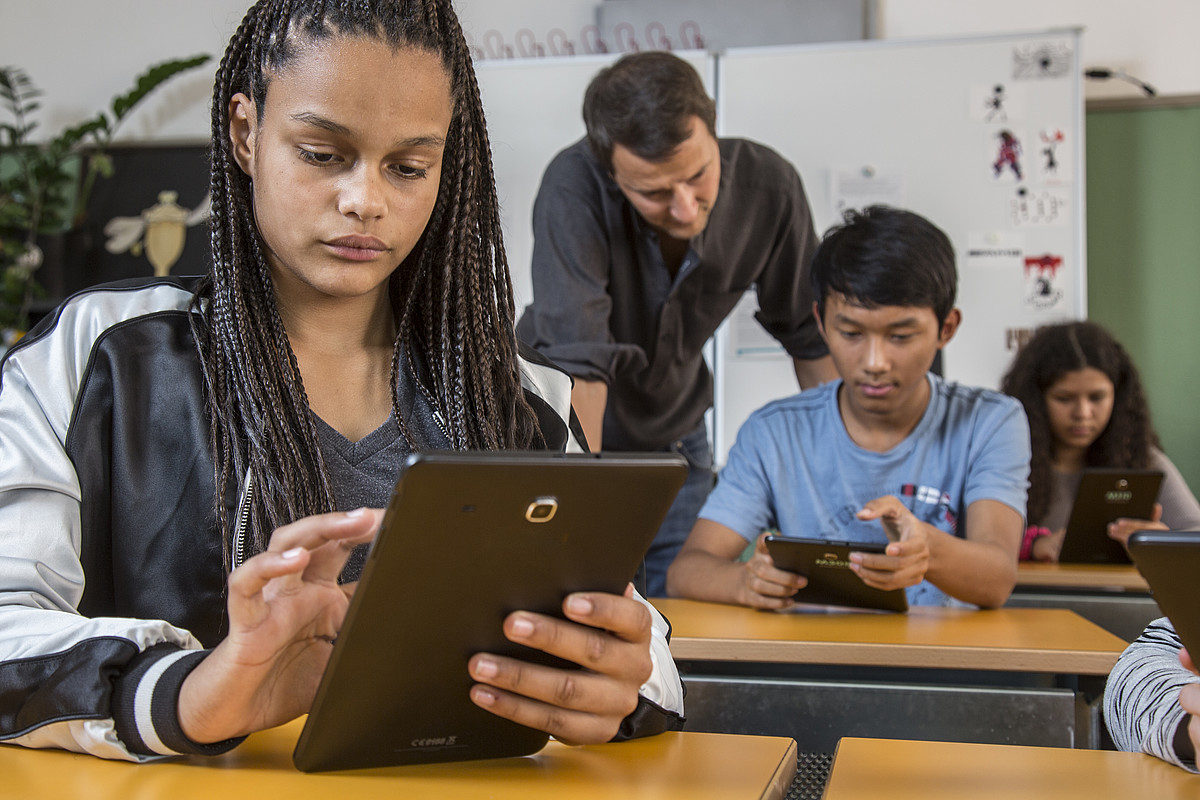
(918, 124)
(534, 109)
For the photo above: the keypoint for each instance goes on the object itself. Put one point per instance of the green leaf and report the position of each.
(150, 79)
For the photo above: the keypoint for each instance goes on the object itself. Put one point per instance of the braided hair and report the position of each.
(1052, 352)
(451, 297)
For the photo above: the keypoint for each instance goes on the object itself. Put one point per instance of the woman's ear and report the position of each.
(243, 130)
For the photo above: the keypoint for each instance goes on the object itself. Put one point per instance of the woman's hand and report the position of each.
(1047, 548)
(606, 634)
(1189, 698)
(285, 609)
(1123, 528)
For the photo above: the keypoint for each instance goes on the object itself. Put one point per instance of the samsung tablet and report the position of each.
(467, 539)
(1105, 495)
(1170, 563)
(826, 564)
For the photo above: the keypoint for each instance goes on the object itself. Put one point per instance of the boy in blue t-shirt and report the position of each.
(888, 453)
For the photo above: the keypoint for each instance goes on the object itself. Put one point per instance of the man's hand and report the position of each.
(607, 635)
(285, 609)
(906, 559)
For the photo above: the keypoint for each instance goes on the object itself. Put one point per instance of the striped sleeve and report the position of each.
(1141, 700)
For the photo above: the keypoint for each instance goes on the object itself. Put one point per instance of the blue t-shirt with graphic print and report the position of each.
(796, 469)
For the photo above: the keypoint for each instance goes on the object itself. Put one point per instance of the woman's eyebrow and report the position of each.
(324, 123)
(317, 121)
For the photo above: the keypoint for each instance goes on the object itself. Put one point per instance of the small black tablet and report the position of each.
(1170, 563)
(826, 564)
(1105, 495)
(467, 539)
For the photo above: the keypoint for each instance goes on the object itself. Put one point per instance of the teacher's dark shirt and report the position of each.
(605, 307)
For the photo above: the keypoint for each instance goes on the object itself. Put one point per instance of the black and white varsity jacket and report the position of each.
(112, 580)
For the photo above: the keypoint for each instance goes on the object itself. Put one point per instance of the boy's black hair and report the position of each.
(884, 256)
(645, 102)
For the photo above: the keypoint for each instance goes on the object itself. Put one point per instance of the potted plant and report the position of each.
(44, 186)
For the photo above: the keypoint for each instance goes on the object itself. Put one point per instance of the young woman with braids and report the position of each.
(187, 466)
(1086, 408)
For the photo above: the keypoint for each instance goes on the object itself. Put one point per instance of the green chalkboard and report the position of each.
(1143, 245)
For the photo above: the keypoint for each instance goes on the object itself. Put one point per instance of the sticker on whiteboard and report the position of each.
(748, 340)
(1043, 282)
(859, 187)
(996, 102)
(1042, 60)
(1052, 164)
(1038, 207)
(1015, 338)
(1007, 155)
(996, 249)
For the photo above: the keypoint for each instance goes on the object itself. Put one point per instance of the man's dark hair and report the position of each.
(645, 102)
(883, 256)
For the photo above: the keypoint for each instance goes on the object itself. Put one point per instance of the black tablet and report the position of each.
(826, 564)
(1170, 563)
(1105, 495)
(467, 539)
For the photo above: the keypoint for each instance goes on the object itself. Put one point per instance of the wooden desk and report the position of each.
(692, 765)
(1004, 676)
(1114, 596)
(1106, 577)
(868, 769)
(1025, 640)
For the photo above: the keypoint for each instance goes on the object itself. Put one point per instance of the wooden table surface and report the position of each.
(1113, 577)
(672, 765)
(871, 769)
(1011, 639)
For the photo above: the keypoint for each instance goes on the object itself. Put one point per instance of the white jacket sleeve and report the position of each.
(63, 676)
(1141, 700)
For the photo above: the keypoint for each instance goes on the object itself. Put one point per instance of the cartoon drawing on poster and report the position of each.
(1043, 289)
(995, 250)
(1008, 155)
(1038, 208)
(1054, 158)
(1042, 60)
(996, 103)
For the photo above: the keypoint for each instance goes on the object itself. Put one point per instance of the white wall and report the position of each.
(1154, 40)
(83, 52)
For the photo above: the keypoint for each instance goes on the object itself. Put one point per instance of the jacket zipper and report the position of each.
(239, 534)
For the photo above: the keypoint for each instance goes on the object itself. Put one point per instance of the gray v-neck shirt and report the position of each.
(363, 473)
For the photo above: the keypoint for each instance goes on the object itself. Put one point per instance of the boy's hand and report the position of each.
(765, 585)
(606, 634)
(907, 557)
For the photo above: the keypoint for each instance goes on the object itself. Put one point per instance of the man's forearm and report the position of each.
(811, 373)
(589, 398)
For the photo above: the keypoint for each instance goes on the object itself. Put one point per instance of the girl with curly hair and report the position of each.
(1086, 408)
